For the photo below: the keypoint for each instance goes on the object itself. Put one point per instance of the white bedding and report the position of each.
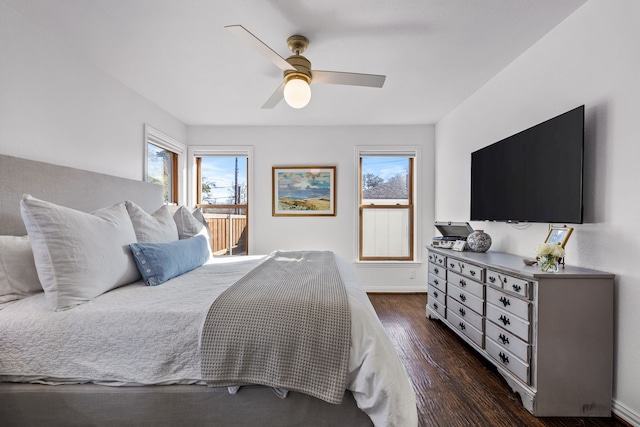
(141, 335)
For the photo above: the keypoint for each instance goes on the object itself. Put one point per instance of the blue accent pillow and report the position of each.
(159, 262)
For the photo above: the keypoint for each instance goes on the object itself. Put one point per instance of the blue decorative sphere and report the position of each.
(479, 241)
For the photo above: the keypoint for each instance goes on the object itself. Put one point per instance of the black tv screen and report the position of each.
(532, 176)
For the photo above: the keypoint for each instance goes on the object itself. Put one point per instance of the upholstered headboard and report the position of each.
(78, 189)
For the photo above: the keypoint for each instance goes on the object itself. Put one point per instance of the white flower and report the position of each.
(557, 251)
(543, 249)
(554, 249)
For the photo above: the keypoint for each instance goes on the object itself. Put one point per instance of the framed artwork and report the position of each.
(304, 191)
(559, 235)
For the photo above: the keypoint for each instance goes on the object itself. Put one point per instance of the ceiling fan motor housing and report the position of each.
(302, 66)
(298, 44)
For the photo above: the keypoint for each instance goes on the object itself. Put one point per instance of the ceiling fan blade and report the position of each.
(354, 79)
(243, 34)
(274, 99)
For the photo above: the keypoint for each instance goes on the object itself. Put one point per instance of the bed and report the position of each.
(150, 374)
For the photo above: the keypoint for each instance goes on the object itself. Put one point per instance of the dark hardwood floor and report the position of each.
(454, 385)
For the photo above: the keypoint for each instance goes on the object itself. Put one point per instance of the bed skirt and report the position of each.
(89, 404)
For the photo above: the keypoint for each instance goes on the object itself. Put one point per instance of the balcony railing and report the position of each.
(227, 228)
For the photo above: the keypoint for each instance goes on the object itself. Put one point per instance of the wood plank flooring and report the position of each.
(455, 386)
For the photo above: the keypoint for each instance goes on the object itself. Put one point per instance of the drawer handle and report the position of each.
(517, 288)
(505, 301)
(504, 358)
(504, 319)
(435, 305)
(462, 312)
(435, 294)
(435, 270)
(451, 265)
(492, 279)
(473, 273)
(463, 298)
(463, 283)
(503, 339)
(504, 280)
(435, 282)
(462, 326)
(440, 261)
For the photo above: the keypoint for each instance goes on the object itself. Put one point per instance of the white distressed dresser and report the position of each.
(550, 335)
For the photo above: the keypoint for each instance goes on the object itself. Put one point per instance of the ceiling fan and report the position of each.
(297, 72)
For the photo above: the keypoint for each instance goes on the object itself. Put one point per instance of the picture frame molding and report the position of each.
(553, 231)
(276, 210)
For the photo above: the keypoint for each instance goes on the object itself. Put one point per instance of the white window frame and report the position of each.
(414, 151)
(166, 142)
(222, 151)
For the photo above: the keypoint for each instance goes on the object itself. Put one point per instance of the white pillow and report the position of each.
(189, 226)
(18, 275)
(79, 255)
(158, 227)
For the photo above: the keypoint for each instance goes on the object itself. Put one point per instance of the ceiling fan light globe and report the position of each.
(297, 93)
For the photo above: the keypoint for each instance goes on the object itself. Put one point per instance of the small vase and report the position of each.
(549, 263)
(479, 241)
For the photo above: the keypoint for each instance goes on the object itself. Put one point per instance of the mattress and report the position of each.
(138, 335)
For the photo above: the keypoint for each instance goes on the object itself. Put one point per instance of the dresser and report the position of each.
(550, 335)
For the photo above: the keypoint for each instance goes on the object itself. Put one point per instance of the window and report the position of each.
(386, 206)
(162, 162)
(222, 192)
(162, 169)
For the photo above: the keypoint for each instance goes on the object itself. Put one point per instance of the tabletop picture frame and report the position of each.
(559, 235)
(303, 191)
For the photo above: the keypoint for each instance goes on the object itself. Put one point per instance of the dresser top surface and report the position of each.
(514, 264)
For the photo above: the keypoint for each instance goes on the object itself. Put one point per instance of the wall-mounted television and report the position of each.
(533, 176)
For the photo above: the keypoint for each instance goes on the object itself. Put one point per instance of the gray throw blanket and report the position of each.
(285, 324)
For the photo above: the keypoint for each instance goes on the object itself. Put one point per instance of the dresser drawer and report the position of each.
(440, 260)
(494, 279)
(465, 313)
(509, 283)
(508, 360)
(465, 283)
(473, 271)
(510, 303)
(438, 270)
(466, 328)
(508, 321)
(508, 341)
(517, 285)
(437, 282)
(436, 294)
(471, 301)
(437, 259)
(437, 307)
(454, 265)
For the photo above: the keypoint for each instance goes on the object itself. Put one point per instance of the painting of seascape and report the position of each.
(304, 191)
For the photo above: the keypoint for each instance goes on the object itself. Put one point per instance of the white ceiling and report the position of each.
(176, 53)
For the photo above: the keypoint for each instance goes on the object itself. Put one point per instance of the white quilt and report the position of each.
(141, 335)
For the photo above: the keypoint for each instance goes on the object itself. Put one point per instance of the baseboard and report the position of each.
(396, 289)
(625, 414)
